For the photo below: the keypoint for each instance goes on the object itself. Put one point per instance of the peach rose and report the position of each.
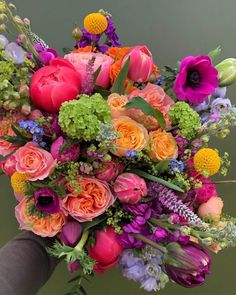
(162, 146)
(35, 161)
(93, 200)
(132, 136)
(117, 102)
(158, 99)
(211, 209)
(47, 226)
(5, 130)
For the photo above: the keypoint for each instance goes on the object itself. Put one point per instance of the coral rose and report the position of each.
(80, 62)
(106, 250)
(6, 147)
(158, 99)
(93, 200)
(162, 146)
(117, 102)
(54, 84)
(35, 161)
(47, 226)
(132, 136)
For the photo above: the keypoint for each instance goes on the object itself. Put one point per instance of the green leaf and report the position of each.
(82, 290)
(96, 73)
(163, 166)
(74, 279)
(157, 179)
(94, 222)
(66, 50)
(103, 91)
(14, 139)
(18, 133)
(140, 104)
(214, 54)
(119, 84)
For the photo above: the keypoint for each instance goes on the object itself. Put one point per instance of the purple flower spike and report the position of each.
(15, 52)
(46, 201)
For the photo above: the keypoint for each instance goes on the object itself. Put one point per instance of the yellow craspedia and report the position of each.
(95, 23)
(207, 160)
(18, 181)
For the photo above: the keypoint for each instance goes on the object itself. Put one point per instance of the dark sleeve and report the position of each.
(25, 265)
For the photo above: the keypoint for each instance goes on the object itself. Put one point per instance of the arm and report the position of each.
(25, 265)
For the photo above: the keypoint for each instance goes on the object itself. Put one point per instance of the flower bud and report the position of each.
(71, 233)
(26, 22)
(35, 114)
(3, 17)
(21, 39)
(26, 109)
(12, 6)
(2, 6)
(77, 34)
(3, 28)
(16, 95)
(6, 105)
(17, 20)
(24, 90)
(12, 105)
(226, 72)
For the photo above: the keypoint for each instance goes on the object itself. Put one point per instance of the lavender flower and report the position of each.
(221, 106)
(169, 200)
(88, 84)
(15, 52)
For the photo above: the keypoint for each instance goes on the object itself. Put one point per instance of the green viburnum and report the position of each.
(81, 119)
(187, 120)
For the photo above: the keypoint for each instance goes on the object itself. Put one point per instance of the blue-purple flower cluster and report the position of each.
(33, 128)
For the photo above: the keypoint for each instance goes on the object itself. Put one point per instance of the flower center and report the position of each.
(44, 200)
(193, 78)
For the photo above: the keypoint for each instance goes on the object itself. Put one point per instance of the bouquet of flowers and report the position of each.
(110, 156)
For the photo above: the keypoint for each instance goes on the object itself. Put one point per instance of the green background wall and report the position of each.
(171, 29)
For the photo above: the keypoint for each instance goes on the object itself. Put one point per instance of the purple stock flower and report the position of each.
(129, 242)
(160, 234)
(88, 38)
(197, 78)
(111, 34)
(46, 201)
(71, 233)
(15, 52)
(142, 209)
(194, 263)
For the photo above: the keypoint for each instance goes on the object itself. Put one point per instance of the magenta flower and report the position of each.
(197, 78)
(46, 201)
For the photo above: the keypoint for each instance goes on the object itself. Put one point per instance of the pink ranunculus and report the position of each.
(8, 166)
(80, 61)
(141, 64)
(6, 147)
(71, 153)
(158, 99)
(211, 209)
(54, 84)
(109, 171)
(35, 161)
(130, 188)
(41, 226)
(93, 200)
(106, 250)
(196, 80)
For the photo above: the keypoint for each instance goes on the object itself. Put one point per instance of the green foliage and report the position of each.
(139, 103)
(119, 83)
(186, 119)
(81, 119)
(214, 54)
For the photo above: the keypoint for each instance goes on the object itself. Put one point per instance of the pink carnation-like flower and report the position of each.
(93, 200)
(207, 191)
(158, 99)
(197, 78)
(80, 62)
(35, 161)
(47, 226)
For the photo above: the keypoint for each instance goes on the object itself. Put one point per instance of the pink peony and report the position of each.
(211, 209)
(80, 61)
(158, 99)
(109, 171)
(71, 153)
(35, 161)
(6, 147)
(130, 188)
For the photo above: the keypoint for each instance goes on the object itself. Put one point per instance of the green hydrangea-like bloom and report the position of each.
(81, 119)
(187, 120)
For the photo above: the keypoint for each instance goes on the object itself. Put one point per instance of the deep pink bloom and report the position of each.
(106, 249)
(109, 171)
(8, 166)
(54, 84)
(197, 78)
(141, 64)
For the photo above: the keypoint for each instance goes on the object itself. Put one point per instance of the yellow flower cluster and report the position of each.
(18, 181)
(207, 160)
(95, 23)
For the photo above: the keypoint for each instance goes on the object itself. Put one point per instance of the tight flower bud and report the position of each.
(12, 6)
(26, 22)
(77, 34)
(3, 28)
(226, 72)
(17, 20)
(26, 109)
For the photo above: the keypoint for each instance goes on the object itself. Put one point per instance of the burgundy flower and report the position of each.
(71, 233)
(197, 78)
(46, 201)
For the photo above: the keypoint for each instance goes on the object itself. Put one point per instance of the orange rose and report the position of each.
(162, 146)
(47, 226)
(132, 136)
(117, 102)
(93, 200)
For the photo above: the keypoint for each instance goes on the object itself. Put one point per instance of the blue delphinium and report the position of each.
(176, 166)
(33, 128)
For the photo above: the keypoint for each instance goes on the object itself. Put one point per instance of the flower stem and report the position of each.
(149, 242)
(163, 224)
(221, 182)
(79, 247)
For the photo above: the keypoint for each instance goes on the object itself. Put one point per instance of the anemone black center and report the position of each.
(45, 200)
(193, 78)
